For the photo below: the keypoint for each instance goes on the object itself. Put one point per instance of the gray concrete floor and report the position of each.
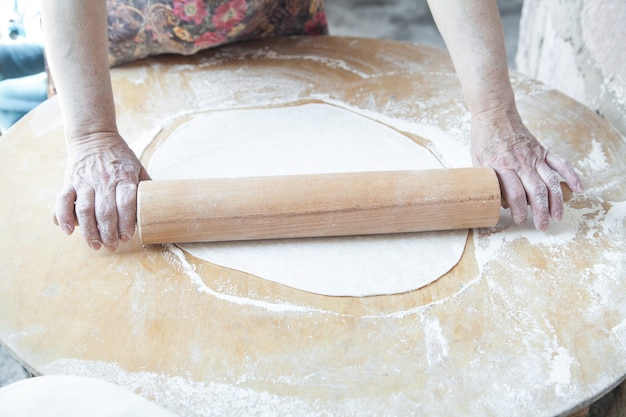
(10, 370)
(408, 21)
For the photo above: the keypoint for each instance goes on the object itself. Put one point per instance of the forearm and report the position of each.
(77, 50)
(474, 37)
(527, 172)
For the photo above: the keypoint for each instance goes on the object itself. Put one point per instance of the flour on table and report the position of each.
(309, 139)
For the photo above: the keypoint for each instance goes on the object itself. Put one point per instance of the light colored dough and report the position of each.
(73, 396)
(311, 138)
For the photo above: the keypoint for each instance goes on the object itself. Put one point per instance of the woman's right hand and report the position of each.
(100, 190)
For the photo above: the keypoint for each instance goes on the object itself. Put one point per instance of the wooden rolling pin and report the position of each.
(223, 209)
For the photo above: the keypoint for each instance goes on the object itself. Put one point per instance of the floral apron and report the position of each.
(140, 28)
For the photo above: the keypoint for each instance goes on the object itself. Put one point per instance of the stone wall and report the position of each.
(579, 48)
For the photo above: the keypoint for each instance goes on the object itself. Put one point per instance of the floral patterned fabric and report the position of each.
(140, 28)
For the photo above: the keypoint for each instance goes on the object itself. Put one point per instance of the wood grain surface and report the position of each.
(316, 205)
(523, 326)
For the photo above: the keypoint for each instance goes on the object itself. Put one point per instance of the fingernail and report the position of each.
(124, 237)
(110, 248)
(558, 216)
(67, 229)
(95, 244)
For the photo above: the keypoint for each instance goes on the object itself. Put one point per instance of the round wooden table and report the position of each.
(524, 325)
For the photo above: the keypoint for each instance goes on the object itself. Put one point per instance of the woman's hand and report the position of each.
(528, 173)
(100, 190)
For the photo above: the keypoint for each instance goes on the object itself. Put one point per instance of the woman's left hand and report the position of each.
(528, 173)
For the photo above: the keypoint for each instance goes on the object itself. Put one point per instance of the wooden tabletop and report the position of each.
(526, 324)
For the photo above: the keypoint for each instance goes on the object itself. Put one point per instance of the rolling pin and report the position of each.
(293, 206)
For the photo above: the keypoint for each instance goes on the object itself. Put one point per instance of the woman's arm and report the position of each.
(77, 51)
(102, 173)
(527, 172)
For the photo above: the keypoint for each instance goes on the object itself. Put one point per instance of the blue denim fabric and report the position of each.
(20, 58)
(23, 81)
(18, 96)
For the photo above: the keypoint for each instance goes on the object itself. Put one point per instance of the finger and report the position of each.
(63, 214)
(537, 195)
(514, 194)
(106, 218)
(85, 213)
(565, 169)
(553, 186)
(126, 198)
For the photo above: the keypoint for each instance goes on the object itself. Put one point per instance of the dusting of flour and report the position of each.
(304, 139)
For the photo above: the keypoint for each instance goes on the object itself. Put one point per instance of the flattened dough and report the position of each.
(310, 138)
(74, 396)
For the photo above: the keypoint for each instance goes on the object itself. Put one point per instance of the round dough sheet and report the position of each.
(307, 139)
